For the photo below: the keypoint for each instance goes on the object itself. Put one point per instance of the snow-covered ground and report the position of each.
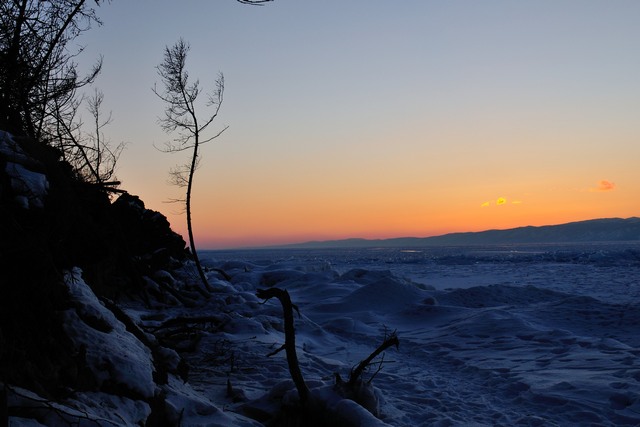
(30, 187)
(488, 336)
(545, 335)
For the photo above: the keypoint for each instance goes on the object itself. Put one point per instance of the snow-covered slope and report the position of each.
(523, 338)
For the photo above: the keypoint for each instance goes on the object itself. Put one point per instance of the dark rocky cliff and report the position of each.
(50, 221)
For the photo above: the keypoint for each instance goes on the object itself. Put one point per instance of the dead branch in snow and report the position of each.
(213, 320)
(36, 408)
(186, 301)
(289, 338)
(312, 410)
(160, 364)
(356, 373)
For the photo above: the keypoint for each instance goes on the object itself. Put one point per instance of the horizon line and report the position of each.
(385, 239)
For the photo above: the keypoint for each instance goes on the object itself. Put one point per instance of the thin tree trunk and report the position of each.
(181, 116)
(192, 170)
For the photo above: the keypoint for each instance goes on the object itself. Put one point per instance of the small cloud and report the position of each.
(604, 185)
(499, 202)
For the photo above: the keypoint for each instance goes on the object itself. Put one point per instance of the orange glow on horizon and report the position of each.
(224, 233)
(244, 214)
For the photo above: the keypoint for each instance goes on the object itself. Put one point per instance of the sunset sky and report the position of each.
(383, 118)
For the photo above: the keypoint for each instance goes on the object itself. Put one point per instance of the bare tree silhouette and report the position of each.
(180, 96)
(40, 82)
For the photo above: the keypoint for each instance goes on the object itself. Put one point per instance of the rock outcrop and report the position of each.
(51, 222)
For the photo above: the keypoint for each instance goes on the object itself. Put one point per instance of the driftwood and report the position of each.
(184, 333)
(313, 410)
(356, 373)
(222, 273)
(289, 338)
(217, 321)
(187, 302)
(31, 406)
(161, 365)
(356, 388)
(129, 324)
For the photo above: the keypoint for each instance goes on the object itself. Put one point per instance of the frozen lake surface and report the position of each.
(609, 272)
(498, 335)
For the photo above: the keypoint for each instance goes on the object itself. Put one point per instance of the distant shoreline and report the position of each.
(612, 230)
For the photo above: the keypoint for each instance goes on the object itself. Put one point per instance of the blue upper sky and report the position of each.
(384, 118)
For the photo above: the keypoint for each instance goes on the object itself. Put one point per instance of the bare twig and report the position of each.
(67, 415)
(358, 370)
(278, 350)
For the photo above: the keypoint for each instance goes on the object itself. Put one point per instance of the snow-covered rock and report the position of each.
(115, 357)
(29, 186)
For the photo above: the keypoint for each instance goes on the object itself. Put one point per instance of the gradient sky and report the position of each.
(381, 118)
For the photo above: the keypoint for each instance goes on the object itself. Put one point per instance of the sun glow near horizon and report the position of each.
(276, 222)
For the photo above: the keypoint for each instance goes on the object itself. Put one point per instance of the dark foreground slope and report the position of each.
(52, 221)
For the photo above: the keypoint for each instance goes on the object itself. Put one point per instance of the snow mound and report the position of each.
(80, 411)
(114, 356)
(497, 295)
(29, 186)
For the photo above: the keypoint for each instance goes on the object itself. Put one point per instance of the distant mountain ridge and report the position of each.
(595, 230)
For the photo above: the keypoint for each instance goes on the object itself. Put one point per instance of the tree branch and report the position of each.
(357, 372)
(289, 337)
